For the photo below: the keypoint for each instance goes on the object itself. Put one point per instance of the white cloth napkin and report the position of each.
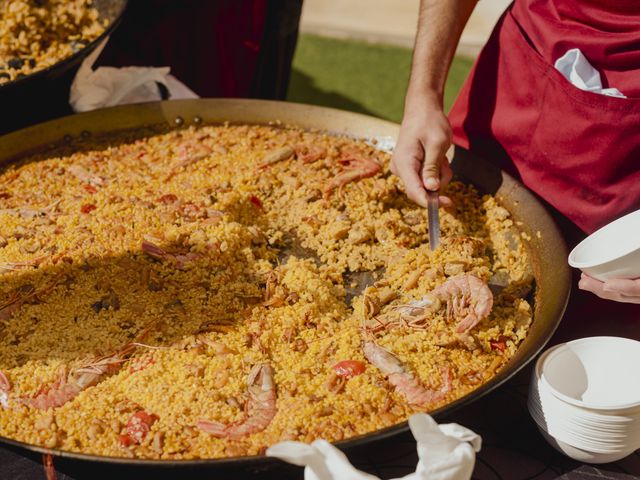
(108, 86)
(445, 452)
(576, 68)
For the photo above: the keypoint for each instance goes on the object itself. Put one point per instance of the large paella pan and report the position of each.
(383, 293)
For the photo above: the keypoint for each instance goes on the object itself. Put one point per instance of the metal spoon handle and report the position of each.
(433, 219)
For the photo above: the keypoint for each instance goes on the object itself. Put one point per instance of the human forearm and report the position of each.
(425, 135)
(440, 25)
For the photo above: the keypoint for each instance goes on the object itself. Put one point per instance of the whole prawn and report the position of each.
(68, 386)
(403, 380)
(158, 253)
(468, 299)
(5, 388)
(260, 407)
(353, 169)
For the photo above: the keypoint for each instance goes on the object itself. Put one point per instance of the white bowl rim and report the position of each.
(581, 265)
(538, 367)
(591, 432)
(582, 441)
(580, 403)
(610, 456)
(616, 419)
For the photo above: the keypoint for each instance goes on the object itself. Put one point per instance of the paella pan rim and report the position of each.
(545, 243)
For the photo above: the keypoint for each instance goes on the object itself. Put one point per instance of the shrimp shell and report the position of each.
(260, 407)
(403, 380)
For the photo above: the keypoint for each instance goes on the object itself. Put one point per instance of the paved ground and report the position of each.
(390, 21)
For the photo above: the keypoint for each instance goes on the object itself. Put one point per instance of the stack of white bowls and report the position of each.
(585, 398)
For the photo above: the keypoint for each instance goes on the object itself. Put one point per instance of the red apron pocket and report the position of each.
(583, 156)
(576, 149)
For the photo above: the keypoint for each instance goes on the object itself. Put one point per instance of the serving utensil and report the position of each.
(433, 219)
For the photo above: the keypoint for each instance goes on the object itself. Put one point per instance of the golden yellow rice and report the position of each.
(201, 191)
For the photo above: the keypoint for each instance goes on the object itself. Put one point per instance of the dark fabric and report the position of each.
(577, 150)
(271, 78)
(221, 48)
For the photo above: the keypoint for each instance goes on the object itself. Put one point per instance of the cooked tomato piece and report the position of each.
(168, 198)
(90, 188)
(88, 208)
(139, 425)
(499, 344)
(348, 368)
(125, 440)
(255, 201)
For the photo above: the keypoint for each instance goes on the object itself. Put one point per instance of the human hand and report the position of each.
(617, 289)
(419, 157)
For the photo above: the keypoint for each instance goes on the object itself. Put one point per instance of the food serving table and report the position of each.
(513, 448)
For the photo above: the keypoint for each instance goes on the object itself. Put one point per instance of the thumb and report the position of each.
(431, 170)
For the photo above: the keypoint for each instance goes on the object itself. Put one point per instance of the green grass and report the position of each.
(358, 76)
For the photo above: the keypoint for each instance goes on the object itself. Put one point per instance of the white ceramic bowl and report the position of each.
(596, 373)
(564, 428)
(583, 455)
(570, 379)
(566, 412)
(611, 252)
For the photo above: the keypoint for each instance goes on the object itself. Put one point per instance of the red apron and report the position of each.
(578, 150)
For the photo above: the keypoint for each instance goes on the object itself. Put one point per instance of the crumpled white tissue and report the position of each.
(575, 67)
(445, 452)
(109, 86)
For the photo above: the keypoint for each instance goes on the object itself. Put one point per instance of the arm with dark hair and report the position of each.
(425, 136)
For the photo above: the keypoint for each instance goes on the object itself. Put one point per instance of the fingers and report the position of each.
(413, 186)
(445, 177)
(431, 172)
(618, 297)
(623, 286)
(406, 162)
(446, 174)
(590, 284)
(435, 167)
(406, 165)
(618, 290)
(445, 202)
(419, 157)
(436, 171)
